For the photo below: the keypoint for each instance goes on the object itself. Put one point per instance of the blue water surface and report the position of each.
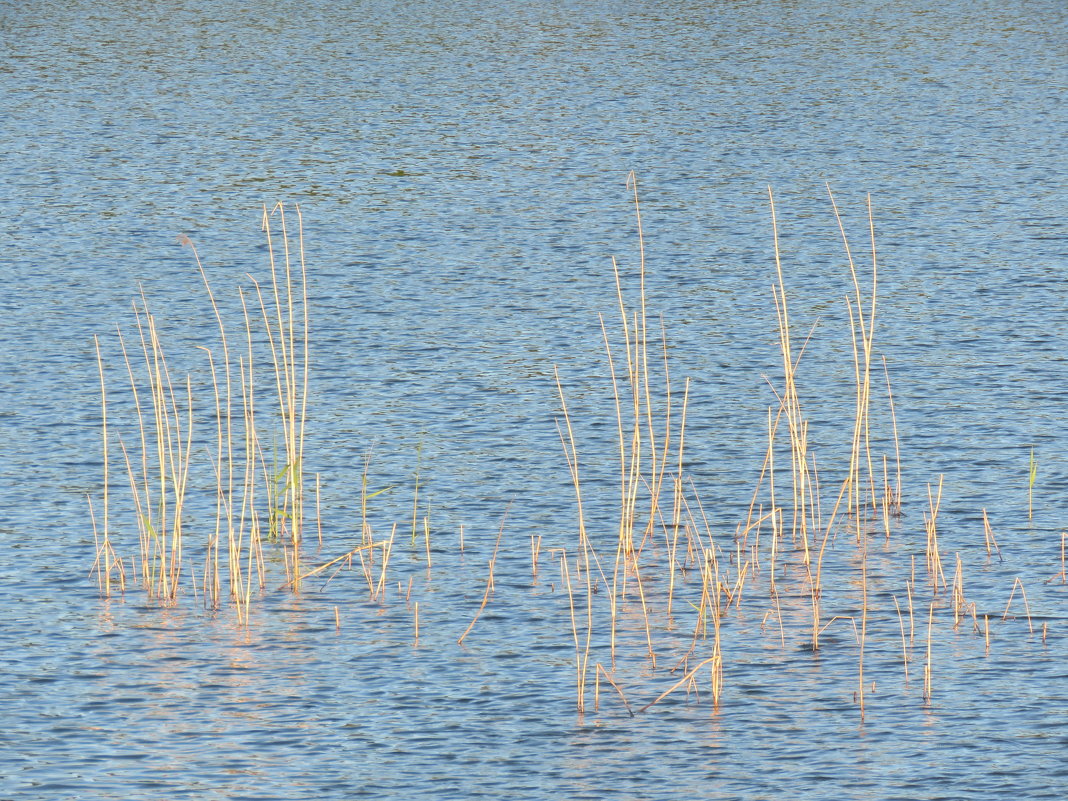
(462, 174)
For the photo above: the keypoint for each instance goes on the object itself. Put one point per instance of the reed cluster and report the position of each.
(654, 593)
(666, 548)
(255, 444)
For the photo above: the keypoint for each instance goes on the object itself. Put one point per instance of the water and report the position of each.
(462, 175)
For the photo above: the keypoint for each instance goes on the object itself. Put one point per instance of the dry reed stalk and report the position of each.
(345, 556)
(224, 442)
(927, 664)
(426, 539)
(161, 545)
(599, 670)
(778, 616)
(796, 424)
(248, 515)
(221, 499)
(888, 496)
(489, 581)
(387, 550)
(684, 680)
(290, 359)
(676, 508)
(766, 469)
(959, 603)
(571, 456)
(1062, 575)
(989, 538)
(904, 647)
(897, 494)
(934, 557)
(253, 451)
(862, 367)
(642, 377)
(535, 550)
(1027, 608)
(415, 644)
(104, 551)
(631, 449)
(144, 510)
(815, 581)
(580, 655)
(912, 618)
(111, 560)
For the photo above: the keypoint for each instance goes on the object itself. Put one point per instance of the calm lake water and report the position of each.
(462, 173)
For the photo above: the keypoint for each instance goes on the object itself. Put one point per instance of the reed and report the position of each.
(1062, 575)
(863, 326)
(160, 489)
(489, 580)
(930, 522)
(286, 324)
(790, 402)
(989, 538)
(1027, 607)
(107, 561)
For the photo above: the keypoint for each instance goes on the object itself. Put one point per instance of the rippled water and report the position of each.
(462, 175)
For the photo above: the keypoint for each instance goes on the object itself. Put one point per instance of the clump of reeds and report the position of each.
(669, 558)
(254, 499)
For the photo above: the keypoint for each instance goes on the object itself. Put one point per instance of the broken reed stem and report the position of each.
(1027, 608)
(344, 556)
(599, 669)
(489, 580)
(679, 683)
(989, 538)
